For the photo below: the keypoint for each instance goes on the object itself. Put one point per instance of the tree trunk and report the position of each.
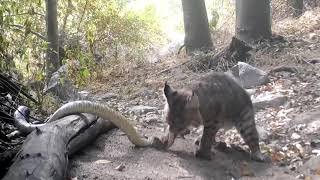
(44, 153)
(296, 7)
(253, 21)
(53, 38)
(196, 26)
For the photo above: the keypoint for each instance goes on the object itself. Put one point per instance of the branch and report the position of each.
(21, 28)
(65, 21)
(84, 11)
(26, 13)
(67, 15)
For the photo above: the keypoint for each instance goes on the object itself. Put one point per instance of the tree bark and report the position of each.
(196, 26)
(44, 154)
(52, 64)
(253, 21)
(296, 7)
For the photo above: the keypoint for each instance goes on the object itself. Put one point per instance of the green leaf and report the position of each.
(85, 72)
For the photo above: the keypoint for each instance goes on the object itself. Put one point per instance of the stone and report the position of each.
(311, 119)
(311, 166)
(313, 36)
(108, 96)
(313, 127)
(269, 100)
(263, 134)
(140, 109)
(61, 87)
(251, 91)
(249, 76)
(84, 95)
(295, 136)
(152, 119)
(300, 176)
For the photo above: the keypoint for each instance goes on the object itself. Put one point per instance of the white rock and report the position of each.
(295, 136)
(251, 76)
(269, 100)
(316, 151)
(140, 109)
(263, 134)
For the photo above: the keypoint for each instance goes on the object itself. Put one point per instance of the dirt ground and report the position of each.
(113, 156)
(100, 161)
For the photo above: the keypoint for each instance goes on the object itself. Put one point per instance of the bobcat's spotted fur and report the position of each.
(216, 101)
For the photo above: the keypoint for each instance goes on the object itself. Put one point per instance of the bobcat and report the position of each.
(215, 101)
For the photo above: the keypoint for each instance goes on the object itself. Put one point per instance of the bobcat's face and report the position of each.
(181, 111)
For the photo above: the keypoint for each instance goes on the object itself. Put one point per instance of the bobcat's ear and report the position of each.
(192, 100)
(168, 91)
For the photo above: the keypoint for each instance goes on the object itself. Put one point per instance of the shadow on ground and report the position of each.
(101, 159)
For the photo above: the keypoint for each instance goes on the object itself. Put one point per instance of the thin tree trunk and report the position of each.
(196, 26)
(53, 38)
(253, 21)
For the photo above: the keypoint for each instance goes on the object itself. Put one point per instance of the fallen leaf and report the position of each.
(307, 178)
(120, 167)
(276, 157)
(102, 161)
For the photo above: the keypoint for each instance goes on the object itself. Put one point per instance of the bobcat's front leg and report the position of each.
(204, 150)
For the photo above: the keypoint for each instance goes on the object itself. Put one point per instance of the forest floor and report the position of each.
(291, 132)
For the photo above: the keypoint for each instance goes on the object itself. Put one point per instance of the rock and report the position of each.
(251, 91)
(84, 95)
(316, 152)
(263, 134)
(313, 127)
(269, 100)
(310, 118)
(140, 109)
(108, 96)
(315, 143)
(60, 86)
(295, 136)
(152, 118)
(311, 166)
(314, 61)
(144, 93)
(313, 36)
(300, 176)
(248, 75)
(120, 167)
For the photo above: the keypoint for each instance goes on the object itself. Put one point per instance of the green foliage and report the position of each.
(214, 20)
(111, 29)
(107, 27)
(220, 11)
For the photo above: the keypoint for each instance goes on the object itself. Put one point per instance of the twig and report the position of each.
(17, 90)
(26, 13)
(84, 11)
(20, 27)
(170, 68)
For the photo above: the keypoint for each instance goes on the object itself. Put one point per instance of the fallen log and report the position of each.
(44, 154)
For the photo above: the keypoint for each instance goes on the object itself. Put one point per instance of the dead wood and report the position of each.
(236, 51)
(44, 154)
(284, 69)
